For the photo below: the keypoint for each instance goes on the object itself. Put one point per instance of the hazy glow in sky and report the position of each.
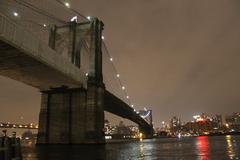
(179, 57)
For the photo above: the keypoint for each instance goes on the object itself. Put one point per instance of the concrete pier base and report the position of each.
(147, 132)
(71, 116)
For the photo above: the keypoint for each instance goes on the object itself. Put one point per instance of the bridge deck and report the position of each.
(25, 58)
(116, 106)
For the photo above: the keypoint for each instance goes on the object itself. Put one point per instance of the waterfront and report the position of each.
(200, 148)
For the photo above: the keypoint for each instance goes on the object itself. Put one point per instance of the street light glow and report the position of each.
(132, 105)
(44, 25)
(127, 97)
(118, 75)
(123, 88)
(103, 37)
(111, 59)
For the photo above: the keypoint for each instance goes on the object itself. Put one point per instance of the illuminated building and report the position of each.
(107, 127)
(233, 122)
(120, 131)
(175, 125)
(218, 119)
(123, 130)
(204, 124)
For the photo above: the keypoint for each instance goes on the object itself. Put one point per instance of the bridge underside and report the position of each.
(24, 68)
(116, 106)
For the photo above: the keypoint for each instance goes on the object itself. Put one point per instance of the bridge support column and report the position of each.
(147, 132)
(95, 114)
(71, 116)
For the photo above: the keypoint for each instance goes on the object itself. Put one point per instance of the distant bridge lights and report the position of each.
(15, 14)
(44, 25)
(9, 125)
(132, 105)
(127, 97)
(67, 4)
(89, 18)
(74, 19)
(123, 88)
(111, 59)
(118, 75)
(148, 112)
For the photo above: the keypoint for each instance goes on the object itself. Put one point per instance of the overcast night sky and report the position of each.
(178, 57)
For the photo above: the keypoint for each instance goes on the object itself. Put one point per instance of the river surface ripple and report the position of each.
(200, 148)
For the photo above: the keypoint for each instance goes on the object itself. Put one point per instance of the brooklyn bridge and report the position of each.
(65, 57)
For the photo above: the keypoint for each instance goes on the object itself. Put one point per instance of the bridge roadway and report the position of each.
(25, 58)
(116, 106)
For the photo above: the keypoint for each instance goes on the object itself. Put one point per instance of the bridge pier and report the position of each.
(71, 116)
(147, 132)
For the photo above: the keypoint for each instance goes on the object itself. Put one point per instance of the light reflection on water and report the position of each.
(201, 148)
(233, 146)
(141, 152)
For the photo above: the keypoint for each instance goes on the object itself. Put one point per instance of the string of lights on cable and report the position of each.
(67, 5)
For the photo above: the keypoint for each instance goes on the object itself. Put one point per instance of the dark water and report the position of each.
(202, 148)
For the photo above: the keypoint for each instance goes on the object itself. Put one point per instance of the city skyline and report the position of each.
(183, 63)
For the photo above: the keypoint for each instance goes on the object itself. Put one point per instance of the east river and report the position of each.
(200, 148)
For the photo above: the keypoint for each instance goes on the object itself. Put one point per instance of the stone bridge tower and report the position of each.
(75, 115)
